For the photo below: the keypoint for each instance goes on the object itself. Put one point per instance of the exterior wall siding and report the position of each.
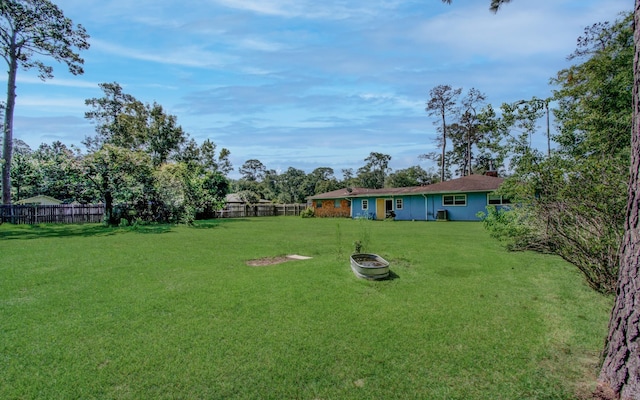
(414, 207)
(329, 208)
(475, 202)
(425, 208)
(359, 212)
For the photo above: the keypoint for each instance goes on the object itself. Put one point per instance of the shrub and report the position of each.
(308, 213)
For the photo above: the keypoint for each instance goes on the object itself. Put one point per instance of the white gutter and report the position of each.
(426, 207)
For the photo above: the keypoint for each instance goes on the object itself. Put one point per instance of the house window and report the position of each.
(337, 203)
(399, 204)
(319, 204)
(454, 200)
(497, 200)
(365, 204)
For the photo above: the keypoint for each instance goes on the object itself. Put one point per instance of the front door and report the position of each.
(383, 206)
(380, 209)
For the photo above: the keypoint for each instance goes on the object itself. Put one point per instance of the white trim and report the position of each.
(454, 200)
(395, 205)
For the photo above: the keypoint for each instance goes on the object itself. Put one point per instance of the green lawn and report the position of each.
(175, 313)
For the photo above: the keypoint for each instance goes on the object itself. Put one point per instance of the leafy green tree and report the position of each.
(348, 178)
(412, 176)
(224, 163)
(186, 193)
(31, 28)
(256, 181)
(248, 196)
(211, 190)
(109, 113)
(492, 150)
(291, 186)
(252, 170)
(164, 136)
(143, 135)
(60, 173)
(109, 166)
(171, 184)
(519, 123)
(572, 203)
(374, 172)
(206, 177)
(466, 132)
(596, 119)
(437, 159)
(204, 156)
(442, 102)
(268, 188)
(118, 175)
(23, 170)
(320, 180)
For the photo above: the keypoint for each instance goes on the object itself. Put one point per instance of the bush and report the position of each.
(308, 213)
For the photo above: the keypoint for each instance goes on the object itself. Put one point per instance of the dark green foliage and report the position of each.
(441, 104)
(140, 158)
(30, 29)
(308, 213)
(373, 173)
(572, 203)
(594, 96)
(412, 176)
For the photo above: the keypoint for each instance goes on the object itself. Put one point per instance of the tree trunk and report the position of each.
(108, 208)
(620, 373)
(7, 148)
(470, 169)
(444, 145)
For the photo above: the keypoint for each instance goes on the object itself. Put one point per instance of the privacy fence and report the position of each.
(60, 214)
(260, 210)
(93, 213)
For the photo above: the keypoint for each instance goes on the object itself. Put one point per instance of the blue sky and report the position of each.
(305, 83)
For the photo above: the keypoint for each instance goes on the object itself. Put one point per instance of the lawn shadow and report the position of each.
(154, 228)
(27, 232)
(216, 222)
(392, 276)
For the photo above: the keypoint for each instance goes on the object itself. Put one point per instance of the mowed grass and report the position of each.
(176, 313)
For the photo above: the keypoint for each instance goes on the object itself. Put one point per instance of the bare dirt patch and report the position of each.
(266, 261)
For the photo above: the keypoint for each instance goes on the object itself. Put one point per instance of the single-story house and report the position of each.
(39, 200)
(455, 200)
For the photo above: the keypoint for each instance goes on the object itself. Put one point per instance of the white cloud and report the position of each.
(252, 43)
(47, 103)
(188, 56)
(331, 10)
(70, 83)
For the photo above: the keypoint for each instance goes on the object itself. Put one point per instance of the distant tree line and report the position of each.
(140, 157)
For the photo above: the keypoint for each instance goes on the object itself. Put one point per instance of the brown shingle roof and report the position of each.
(471, 183)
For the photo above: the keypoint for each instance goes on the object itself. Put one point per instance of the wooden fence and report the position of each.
(260, 210)
(60, 214)
(93, 213)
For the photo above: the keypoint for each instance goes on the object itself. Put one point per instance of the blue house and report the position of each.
(455, 200)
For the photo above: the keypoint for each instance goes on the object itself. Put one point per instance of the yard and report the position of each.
(176, 312)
